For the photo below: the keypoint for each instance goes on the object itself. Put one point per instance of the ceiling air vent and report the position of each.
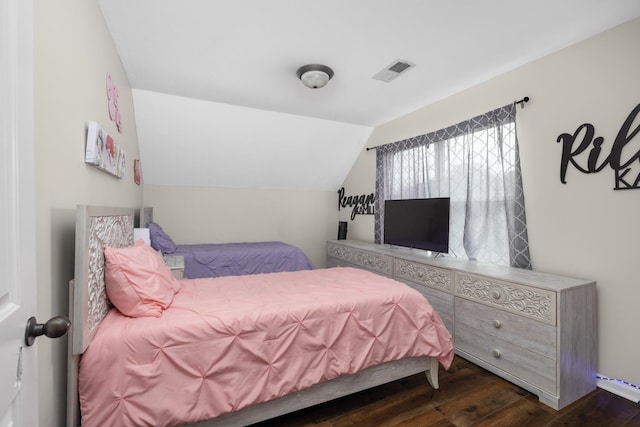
(395, 69)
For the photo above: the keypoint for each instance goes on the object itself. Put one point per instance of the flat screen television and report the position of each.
(418, 223)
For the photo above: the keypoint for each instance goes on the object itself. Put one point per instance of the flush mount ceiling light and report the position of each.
(315, 76)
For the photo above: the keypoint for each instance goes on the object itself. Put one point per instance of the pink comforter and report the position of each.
(228, 342)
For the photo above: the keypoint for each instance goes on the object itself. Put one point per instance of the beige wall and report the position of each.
(306, 219)
(582, 228)
(73, 53)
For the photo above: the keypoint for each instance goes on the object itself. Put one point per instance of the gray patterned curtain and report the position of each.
(477, 164)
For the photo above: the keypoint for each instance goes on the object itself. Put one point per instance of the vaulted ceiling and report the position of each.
(218, 102)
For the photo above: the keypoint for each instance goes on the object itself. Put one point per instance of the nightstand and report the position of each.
(176, 265)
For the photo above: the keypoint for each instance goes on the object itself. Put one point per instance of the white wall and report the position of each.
(191, 215)
(582, 228)
(195, 143)
(73, 53)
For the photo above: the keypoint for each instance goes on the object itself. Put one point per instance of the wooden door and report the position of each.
(18, 373)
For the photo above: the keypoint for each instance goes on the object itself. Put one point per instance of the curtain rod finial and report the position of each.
(523, 101)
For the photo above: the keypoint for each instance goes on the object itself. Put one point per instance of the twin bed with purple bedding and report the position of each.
(230, 259)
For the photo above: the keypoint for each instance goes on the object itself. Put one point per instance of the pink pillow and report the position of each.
(138, 281)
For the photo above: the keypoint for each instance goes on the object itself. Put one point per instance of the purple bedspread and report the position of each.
(235, 259)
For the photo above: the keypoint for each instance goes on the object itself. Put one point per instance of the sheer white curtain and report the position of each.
(476, 163)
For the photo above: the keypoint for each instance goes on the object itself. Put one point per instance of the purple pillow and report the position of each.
(160, 241)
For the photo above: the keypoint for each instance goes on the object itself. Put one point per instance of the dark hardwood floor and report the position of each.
(468, 396)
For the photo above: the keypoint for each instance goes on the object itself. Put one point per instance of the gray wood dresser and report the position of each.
(534, 329)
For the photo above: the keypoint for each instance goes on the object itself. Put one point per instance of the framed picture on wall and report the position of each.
(102, 151)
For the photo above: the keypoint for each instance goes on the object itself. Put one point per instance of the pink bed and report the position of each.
(149, 350)
(227, 343)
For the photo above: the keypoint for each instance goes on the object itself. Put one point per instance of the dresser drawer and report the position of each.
(538, 304)
(530, 367)
(426, 275)
(532, 335)
(377, 263)
(442, 302)
(336, 262)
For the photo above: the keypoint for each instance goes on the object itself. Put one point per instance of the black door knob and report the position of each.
(55, 327)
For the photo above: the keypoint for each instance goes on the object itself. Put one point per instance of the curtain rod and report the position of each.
(521, 102)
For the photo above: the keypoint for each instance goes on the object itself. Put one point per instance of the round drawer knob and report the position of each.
(496, 353)
(420, 273)
(495, 295)
(496, 324)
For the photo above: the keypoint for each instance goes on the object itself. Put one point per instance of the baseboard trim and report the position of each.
(619, 387)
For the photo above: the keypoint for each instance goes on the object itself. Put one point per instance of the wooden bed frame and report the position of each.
(97, 227)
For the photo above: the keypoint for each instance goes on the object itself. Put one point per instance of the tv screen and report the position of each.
(417, 223)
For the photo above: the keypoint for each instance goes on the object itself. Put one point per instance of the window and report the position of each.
(476, 163)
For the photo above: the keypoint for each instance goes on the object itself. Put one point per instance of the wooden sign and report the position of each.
(623, 159)
(362, 204)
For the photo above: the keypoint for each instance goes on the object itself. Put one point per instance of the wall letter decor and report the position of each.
(626, 177)
(362, 205)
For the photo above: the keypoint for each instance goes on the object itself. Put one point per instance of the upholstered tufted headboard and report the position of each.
(96, 227)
